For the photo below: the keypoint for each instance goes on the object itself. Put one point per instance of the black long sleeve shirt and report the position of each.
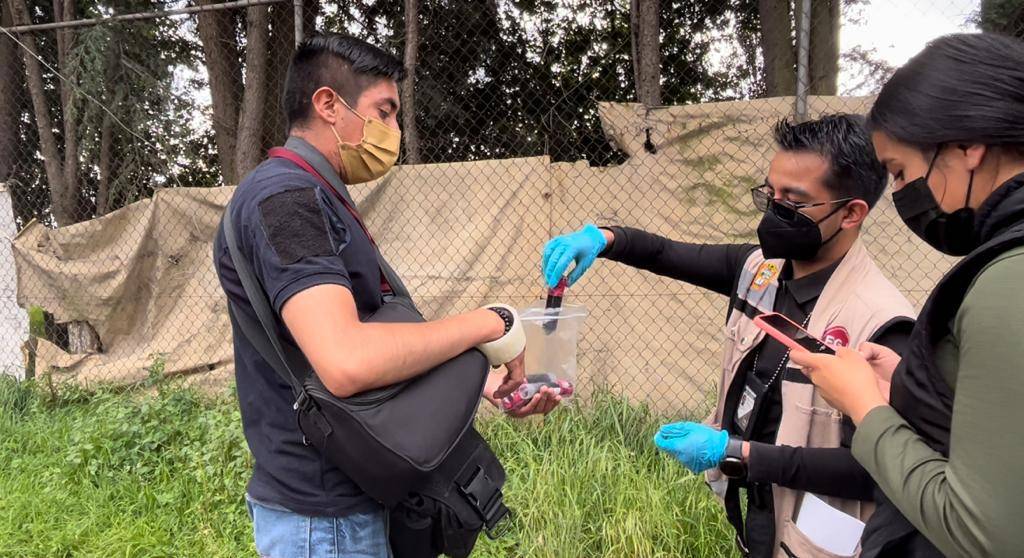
(717, 268)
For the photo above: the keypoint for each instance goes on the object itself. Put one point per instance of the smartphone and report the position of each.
(790, 334)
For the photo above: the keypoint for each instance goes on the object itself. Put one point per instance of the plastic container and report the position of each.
(552, 336)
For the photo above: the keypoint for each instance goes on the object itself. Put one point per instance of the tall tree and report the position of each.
(779, 34)
(408, 93)
(777, 47)
(645, 31)
(246, 114)
(282, 45)
(219, 37)
(824, 47)
(249, 148)
(68, 210)
(114, 98)
(61, 205)
(11, 79)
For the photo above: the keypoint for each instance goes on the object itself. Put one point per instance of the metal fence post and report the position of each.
(803, 55)
(298, 22)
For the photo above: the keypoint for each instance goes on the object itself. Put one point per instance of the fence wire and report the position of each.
(521, 120)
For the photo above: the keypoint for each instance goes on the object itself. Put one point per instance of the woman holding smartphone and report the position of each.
(946, 443)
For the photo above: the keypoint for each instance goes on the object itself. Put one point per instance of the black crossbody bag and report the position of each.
(411, 445)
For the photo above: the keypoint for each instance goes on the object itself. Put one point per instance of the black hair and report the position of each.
(345, 64)
(962, 88)
(843, 140)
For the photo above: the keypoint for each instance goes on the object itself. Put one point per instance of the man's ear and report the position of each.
(973, 154)
(325, 105)
(854, 213)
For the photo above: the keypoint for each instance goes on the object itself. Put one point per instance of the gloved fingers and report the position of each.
(551, 272)
(661, 442)
(561, 264)
(578, 271)
(677, 429)
(550, 248)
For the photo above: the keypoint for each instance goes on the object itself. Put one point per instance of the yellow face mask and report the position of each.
(374, 155)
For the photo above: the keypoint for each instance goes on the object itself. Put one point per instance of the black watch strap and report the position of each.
(506, 317)
(732, 464)
(734, 448)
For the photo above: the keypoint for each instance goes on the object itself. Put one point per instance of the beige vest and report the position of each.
(856, 302)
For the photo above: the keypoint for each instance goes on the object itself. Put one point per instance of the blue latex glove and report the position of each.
(697, 446)
(581, 247)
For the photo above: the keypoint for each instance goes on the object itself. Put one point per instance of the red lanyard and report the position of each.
(284, 153)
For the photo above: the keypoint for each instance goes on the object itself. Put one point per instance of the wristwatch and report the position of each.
(732, 464)
(506, 316)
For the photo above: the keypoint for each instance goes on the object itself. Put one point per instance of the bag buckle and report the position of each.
(500, 524)
(485, 496)
(302, 402)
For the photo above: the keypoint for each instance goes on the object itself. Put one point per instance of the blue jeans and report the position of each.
(283, 534)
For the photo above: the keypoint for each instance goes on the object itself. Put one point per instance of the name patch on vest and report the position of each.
(764, 276)
(836, 336)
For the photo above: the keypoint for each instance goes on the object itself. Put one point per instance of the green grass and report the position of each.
(163, 473)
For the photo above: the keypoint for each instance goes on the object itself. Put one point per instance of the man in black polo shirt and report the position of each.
(318, 266)
(820, 186)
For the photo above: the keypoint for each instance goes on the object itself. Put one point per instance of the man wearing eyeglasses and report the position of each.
(771, 433)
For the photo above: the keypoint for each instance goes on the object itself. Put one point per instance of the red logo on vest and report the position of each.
(836, 336)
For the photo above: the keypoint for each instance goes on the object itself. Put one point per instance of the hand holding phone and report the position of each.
(790, 334)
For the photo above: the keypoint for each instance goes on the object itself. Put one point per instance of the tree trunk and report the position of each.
(412, 49)
(777, 47)
(106, 156)
(645, 31)
(248, 152)
(113, 99)
(824, 55)
(282, 46)
(11, 78)
(218, 36)
(68, 210)
(82, 338)
(41, 108)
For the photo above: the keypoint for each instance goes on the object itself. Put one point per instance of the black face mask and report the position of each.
(949, 233)
(795, 237)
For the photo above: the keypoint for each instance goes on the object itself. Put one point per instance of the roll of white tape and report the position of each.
(508, 346)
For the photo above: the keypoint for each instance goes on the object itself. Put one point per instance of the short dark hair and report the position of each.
(962, 88)
(843, 140)
(346, 64)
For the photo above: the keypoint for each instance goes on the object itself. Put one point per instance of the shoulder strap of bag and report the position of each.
(390, 282)
(263, 335)
(734, 515)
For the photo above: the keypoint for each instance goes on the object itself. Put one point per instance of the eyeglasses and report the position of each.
(764, 198)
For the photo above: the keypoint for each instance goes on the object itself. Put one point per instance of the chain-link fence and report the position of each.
(521, 120)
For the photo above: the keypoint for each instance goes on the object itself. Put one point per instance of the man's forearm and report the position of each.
(709, 266)
(351, 356)
(383, 354)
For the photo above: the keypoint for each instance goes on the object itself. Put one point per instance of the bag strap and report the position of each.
(390, 282)
(263, 335)
(734, 515)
